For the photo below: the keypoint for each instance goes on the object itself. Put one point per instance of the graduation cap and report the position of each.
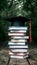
(20, 21)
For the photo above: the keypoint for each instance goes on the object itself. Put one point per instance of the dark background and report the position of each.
(23, 8)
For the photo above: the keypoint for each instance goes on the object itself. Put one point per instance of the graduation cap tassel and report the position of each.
(30, 30)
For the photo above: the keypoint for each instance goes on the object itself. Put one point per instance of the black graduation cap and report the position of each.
(18, 21)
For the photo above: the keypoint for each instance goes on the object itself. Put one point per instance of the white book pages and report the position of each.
(24, 37)
(10, 43)
(10, 34)
(26, 46)
(18, 41)
(19, 50)
(17, 28)
(11, 53)
(18, 57)
(20, 31)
